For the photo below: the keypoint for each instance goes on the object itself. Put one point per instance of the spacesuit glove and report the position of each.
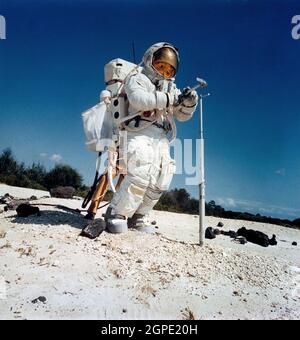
(191, 99)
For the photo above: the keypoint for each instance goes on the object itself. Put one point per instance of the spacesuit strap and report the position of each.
(137, 121)
(187, 106)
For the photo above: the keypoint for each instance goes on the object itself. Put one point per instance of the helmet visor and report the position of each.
(165, 61)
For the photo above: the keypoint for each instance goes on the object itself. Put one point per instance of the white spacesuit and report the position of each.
(149, 166)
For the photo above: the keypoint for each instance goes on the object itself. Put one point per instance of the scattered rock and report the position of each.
(2, 234)
(254, 236)
(62, 192)
(6, 199)
(26, 251)
(33, 198)
(241, 240)
(13, 205)
(25, 210)
(39, 299)
(209, 233)
(217, 231)
(294, 244)
(124, 251)
(7, 245)
(236, 293)
(94, 229)
(220, 224)
(2, 208)
(273, 241)
(55, 263)
(230, 233)
(188, 314)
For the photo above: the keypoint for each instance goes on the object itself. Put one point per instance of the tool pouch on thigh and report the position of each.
(168, 169)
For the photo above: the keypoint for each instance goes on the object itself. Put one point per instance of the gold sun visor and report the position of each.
(168, 57)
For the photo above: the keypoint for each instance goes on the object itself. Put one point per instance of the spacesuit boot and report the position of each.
(115, 223)
(141, 223)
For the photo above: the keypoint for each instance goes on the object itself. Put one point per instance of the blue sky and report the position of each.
(51, 69)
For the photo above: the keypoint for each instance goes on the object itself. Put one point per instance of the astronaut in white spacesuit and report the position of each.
(149, 166)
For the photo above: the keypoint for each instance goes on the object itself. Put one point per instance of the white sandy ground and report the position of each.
(140, 276)
(22, 192)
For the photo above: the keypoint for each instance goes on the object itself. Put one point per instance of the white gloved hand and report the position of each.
(105, 96)
(192, 98)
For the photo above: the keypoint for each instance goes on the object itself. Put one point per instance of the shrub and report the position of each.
(63, 175)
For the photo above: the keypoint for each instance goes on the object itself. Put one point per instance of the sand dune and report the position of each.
(140, 276)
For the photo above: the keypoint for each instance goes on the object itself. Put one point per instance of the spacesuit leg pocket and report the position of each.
(168, 169)
(140, 158)
(128, 198)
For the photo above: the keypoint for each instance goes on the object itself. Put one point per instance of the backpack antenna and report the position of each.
(133, 52)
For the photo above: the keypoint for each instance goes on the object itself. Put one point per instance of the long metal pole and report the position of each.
(202, 176)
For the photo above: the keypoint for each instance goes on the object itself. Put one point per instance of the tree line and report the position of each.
(177, 200)
(36, 176)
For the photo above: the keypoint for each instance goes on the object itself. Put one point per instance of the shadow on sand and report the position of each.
(53, 218)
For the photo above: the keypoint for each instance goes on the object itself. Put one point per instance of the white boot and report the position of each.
(115, 224)
(141, 223)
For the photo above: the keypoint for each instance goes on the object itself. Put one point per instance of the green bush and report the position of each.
(63, 175)
(36, 176)
(8, 165)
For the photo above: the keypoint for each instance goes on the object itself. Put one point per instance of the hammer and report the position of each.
(187, 91)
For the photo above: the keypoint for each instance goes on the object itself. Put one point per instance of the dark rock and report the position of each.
(230, 233)
(10, 202)
(39, 299)
(209, 233)
(94, 229)
(63, 192)
(25, 210)
(273, 241)
(217, 231)
(220, 224)
(33, 198)
(241, 240)
(6, 199)
(253, 236)
(294, 244)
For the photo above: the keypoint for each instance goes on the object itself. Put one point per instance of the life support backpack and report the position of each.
(101, 121)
